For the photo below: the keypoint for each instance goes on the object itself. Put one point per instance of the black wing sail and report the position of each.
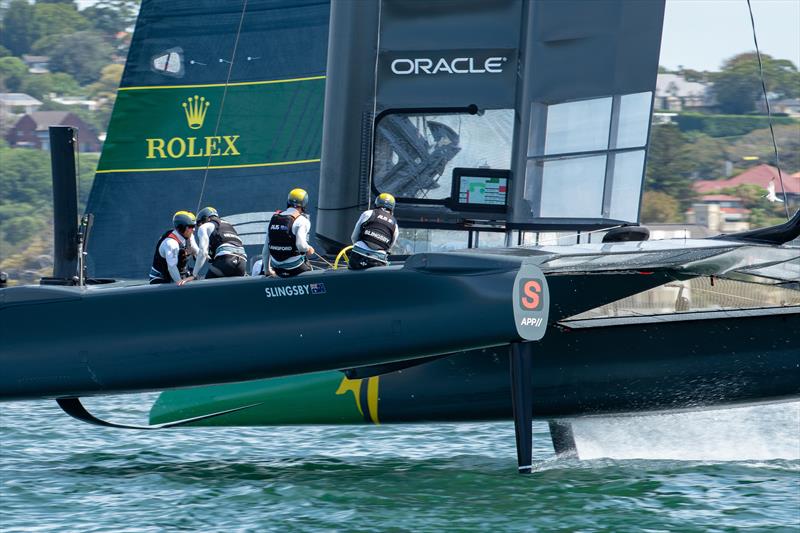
(220, 104)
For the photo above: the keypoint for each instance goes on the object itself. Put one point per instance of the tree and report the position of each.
(18, 29)
(660, 207)
(668, 168)
(82, 55)
(112, 16)
(5, 52)
(707, 156)
(12, 72)
(57, 19)
(105, 91)
(42, 85)
(738, 84)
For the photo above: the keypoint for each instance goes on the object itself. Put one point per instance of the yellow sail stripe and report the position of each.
(234, 84)
(275, 164)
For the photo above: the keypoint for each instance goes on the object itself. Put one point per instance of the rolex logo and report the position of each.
(195, 109)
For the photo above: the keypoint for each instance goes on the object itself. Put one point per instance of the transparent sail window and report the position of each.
(627, 185)
(573, 187)
(581, 126)
(586, 158)
(169, 62)
(413, 241)
(634, 120)
(415, 155)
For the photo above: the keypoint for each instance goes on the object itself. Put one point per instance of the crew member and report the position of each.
(173, 251)
(374, 235)
(287, 245)
(218, 244)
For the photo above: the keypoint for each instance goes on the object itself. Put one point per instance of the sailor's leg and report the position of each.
(563, 439)
(522, 402)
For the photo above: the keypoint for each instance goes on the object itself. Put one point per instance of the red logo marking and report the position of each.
(531, 294)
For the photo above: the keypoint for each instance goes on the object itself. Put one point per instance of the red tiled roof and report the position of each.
(760, 175)
(720, 198)
(734, 210)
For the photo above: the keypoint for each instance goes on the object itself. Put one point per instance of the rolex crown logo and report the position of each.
(195, 109)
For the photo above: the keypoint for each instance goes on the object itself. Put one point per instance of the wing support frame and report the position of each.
(74, 408)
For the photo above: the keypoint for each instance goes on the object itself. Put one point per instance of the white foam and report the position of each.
(744, 433)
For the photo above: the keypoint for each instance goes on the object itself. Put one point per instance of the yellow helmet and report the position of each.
(183, 219)
(297, 198)
(385, 200)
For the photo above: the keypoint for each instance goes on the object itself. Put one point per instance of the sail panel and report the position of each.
(207, 114)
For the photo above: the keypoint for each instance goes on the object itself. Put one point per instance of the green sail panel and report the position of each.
(268, 123)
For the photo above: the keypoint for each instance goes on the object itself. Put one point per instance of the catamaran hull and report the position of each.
(64, 342)
(601, 366)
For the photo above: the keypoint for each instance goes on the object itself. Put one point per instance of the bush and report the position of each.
(726, 125)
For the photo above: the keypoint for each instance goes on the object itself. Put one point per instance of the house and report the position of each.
(89, 104)
(37, 64)
(32, 130)
(674, 93)
(726, 213)
(760, 175)
(719, 217)
(17, 103)
(788, 106)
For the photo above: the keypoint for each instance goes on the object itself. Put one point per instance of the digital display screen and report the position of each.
(482, 191)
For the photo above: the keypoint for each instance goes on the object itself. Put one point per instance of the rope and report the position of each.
(371, 161)
(769, 111)
(222, 104)
(325, 260)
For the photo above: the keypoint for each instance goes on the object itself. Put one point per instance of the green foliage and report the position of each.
(659, 207)
(18, 29)
(668, 168)
(112, 16)
(12, 72)
(4, 52)
(41, 85)
(707, 154)
(57, 19)
(726, 125)
(25, 182)
(43, 45)
(738, 85)
(105, 91)
(24, 176)
(81, 55)
(759, 144)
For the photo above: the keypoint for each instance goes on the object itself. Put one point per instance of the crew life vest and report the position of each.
(224, 233)
(282, 242)
(378, 230)
(160, 264)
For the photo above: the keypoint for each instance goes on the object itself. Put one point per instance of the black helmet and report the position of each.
(205, 214)
(182, 219)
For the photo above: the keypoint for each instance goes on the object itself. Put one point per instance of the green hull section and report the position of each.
(320, 398)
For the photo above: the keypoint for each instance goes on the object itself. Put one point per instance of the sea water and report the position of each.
(706, 471)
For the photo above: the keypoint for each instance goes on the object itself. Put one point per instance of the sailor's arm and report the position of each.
(396, 235)
(202, 234)
(301, 228)
(357, 228)
(265, 252)
(169, 249)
